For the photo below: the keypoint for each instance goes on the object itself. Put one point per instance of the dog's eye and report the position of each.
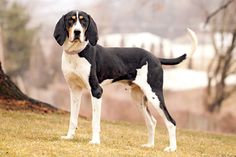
(73, 17)
(81, 17)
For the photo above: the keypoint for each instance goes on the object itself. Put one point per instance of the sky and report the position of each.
(51, 10)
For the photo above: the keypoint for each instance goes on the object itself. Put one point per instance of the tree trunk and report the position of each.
(1, 49)
(11, 97)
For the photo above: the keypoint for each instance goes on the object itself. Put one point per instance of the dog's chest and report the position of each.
(76, 70)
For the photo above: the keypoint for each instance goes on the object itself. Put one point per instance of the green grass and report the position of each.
(32, 134)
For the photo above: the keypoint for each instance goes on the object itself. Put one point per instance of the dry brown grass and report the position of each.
(32, 134)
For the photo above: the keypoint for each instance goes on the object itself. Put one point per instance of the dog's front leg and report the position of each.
(75, 99)
(96, 94)
(96, 110)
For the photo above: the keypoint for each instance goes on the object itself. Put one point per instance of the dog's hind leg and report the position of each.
(150, 121)
(169, 121)
(154, 95)
(157, 100)
(75, 99)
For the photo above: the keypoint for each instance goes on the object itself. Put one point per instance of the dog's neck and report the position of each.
(74, 47)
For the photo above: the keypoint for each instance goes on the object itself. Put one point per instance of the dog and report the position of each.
(87, 65)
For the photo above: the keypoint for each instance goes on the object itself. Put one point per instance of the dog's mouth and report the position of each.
(73, 46)
(76, 40)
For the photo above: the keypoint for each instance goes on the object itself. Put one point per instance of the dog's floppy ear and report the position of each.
(92, 32)
(60, 31)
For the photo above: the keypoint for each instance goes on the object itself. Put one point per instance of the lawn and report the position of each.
(24, 133)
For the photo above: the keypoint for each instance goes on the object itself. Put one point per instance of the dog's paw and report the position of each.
(170, 149)
(96, 142)
(148, 145)
(67, 137)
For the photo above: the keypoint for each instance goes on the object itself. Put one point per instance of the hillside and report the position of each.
(25, 133)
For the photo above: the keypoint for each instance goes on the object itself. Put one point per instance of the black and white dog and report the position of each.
(86, 65)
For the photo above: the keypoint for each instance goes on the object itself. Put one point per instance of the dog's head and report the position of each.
(77, 27)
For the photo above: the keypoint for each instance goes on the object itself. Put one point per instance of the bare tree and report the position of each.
(222, 7)
(1, 48)
(12, 97)
(223, 64)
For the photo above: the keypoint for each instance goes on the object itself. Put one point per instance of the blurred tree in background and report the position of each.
(17, 37)
(223, 64)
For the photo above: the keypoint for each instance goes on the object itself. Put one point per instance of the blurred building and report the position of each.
(155, 44)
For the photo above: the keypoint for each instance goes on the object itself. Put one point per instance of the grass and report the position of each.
(32, 134)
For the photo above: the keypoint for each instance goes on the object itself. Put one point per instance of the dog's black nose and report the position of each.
(77, 33)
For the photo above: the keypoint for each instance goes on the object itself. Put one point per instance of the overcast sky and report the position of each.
(51, 10)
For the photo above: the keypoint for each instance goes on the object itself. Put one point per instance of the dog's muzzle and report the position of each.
(77, 34)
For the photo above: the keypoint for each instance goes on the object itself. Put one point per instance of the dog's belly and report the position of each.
(110, 81)
(106, 82)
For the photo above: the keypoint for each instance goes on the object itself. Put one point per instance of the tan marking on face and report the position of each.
(73, 17)
(70, 31)
(81, 17)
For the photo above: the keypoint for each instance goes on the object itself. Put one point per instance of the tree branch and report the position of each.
(217, 11)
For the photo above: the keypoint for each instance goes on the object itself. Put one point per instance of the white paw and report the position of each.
(94, 142)
(67, 137)
(170, 149)
(148, 145)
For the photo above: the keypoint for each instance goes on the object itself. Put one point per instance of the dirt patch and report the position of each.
(13, 104)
